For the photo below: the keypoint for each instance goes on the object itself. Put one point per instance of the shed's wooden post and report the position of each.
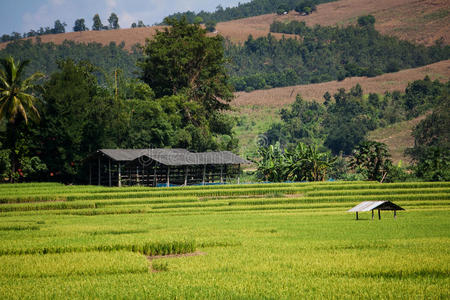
(137, 175)
(109, 171)
(204, 174)
(120, 176)
(90, 173)
(379, 215)
(221, 173)
(99, 176)
(168, 176)
(239, 174)
(186, 170)
(356, 215)
(155, 177)
(372, 214)
(395, 214)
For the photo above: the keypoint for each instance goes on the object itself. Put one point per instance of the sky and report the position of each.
(23, 15)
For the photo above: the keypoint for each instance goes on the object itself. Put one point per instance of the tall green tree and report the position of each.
(76, 118)
(17, 102)
(113, 21)
(97, 25)
(79, 25)
(182, 59)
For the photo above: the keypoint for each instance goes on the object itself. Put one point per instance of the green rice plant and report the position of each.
(72, 264)
(46, 206)
(18, 227)
(27, 198)
(159, 265)
(147, 248)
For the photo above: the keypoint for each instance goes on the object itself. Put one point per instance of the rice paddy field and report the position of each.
(255, 241)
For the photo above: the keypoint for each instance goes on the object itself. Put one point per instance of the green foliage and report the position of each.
(210, 26)
(59, 27)
(17, 105)
(343, 123)
(302, 163)
(183, 59)
(113, 21)
(365, 21)
(421, 95)
(302, 122)
(97, 23)
(186, 69)
(372, 159)
(79, 25)
(431, 153)
(306, 7)
(44, 57)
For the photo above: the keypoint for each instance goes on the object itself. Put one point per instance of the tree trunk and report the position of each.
(12, 140)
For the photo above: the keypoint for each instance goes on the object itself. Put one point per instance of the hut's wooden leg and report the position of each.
(372, 214)
(204, 174)
(120, 176)
(395, 214)
(379, 215)
(356, 215)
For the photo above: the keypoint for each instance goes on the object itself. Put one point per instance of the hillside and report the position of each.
(387, 82)
(417, 21)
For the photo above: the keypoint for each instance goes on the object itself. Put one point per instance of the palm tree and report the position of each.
(16, 102)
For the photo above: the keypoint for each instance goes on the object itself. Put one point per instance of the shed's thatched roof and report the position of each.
(174, 157)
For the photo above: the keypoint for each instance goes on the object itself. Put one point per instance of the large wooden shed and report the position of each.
(162, 167)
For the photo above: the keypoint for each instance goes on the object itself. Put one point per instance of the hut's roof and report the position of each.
(174, 157)
(370, 205)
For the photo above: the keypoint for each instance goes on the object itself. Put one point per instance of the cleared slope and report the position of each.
(387, 82)
(414, 20)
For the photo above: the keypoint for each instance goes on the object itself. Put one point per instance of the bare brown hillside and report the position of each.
(421, 21)
(387, 82)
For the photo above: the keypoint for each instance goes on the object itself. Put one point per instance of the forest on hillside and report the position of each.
(323, 53)
(319, 54)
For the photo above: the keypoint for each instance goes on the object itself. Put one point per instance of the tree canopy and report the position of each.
(182, 59)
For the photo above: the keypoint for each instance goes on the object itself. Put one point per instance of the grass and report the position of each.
(261, 241)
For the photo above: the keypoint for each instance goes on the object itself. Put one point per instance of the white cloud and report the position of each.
(111, 4)
(57, 2)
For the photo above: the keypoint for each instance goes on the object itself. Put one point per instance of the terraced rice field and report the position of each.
(287, 240)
